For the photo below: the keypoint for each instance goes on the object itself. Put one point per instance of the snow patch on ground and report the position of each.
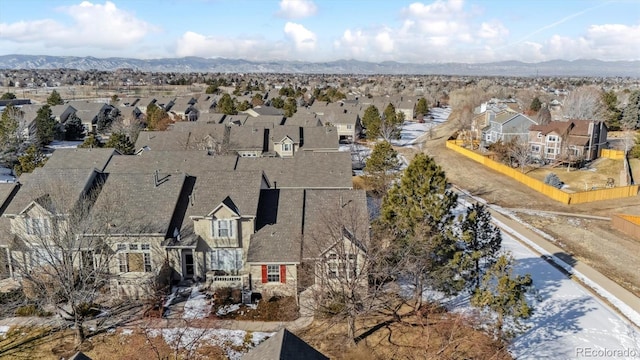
(4, 329)
(58, 144)
(197, 306)
(226, 309)
(127, 332)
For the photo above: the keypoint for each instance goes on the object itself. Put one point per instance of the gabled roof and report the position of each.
(279, 224)
(248, 138)
(92, 107)
(284, 345)
(303, 119)
(265, 121)
(212, 188)
(211, 118)
(139, 203)
(7, 191)
(559, 127)
(80, 158)
(67, 186)
(268, 110)
(309, 170)
(329, 216)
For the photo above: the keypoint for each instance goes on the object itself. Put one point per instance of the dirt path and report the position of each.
(591, 241)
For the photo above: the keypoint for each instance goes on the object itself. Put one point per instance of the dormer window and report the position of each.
(223, 228)
(286, 147)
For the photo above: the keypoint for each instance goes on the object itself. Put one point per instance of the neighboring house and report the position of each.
(344, 117)
(7, 192)
(284, 345)
(28, 120)
(90, 112)
(323, 139)
(506, 126)
(184, 108)
(248, 141)
(568, 140)
(284, 141)
(62, 112)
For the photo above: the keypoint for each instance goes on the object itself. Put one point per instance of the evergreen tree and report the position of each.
(54, 99)
(421, 107)
(381, 167)
(120, 142)
(157, 118)
(73, 128)
(226, 105)
(211, 89)
(371, 122)
(31, 160)
(612, 114)
(10, 139)
(277, 102)
(8, 96)
(536, 104)
(631, 116)
(45, 126)
(91, 142)
(635, 150)
(391, 123)
(290, 107)
(504, 293)
(481, 244)
(417, 217)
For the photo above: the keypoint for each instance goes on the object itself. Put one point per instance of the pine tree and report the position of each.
(536, 104)
(421, 107)
(226, 105)
(10, 139)
(45, 126)
(73, 128)
(504, 293)
(612, 114)
(31, 160)
(371, 122)
(481, 244)
(8, 96)
(631, 116)
(381, 167)
(91, 142)
(290, 107)
(417, 217)
(120, 142)
(54, 99)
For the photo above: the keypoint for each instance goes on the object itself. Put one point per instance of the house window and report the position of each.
(535, 148)
(349, 126)
(134, 260)
(273, 273)
(343, 266)
(286, 147)
(223, 228)
(228, 260)
(37, 226)
(539, 135)
(551, 150)
(552, 138)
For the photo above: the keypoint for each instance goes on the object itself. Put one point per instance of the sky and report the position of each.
(471, 31)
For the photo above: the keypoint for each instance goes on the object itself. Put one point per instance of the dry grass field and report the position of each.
(584, 179)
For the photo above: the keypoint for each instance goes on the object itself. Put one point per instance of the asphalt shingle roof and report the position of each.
(279, 238)
(284, 346)
(80, 158)
(190, 162)
(328, 170)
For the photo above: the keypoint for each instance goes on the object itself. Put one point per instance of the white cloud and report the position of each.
(384, 42)
(249, 48)
(303, 39)
(297, 9)
(493, 30)
(102, 26)
(606, 42)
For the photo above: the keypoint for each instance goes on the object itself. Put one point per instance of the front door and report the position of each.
(187, 264)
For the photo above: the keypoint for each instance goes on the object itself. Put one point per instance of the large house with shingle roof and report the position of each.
(507, 126)
(224, 220)
(568, 140)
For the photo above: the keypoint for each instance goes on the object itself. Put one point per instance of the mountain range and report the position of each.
(222, 65)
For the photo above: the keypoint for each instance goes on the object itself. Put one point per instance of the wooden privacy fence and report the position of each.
(628, 224)
(539, 186)
(612, 154)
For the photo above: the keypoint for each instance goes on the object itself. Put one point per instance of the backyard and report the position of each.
(592, 177)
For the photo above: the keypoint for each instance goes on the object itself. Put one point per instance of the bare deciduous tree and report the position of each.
(584, 103)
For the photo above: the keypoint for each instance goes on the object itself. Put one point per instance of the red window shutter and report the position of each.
(283, 273)
(264, 274)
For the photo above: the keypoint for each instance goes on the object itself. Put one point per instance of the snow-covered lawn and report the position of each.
(197, 306)
(412, 130)
(232, 341)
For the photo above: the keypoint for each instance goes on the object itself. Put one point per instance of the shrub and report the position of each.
(31, 310)
(553, 180)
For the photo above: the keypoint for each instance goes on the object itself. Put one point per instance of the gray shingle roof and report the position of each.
(303, 119)
(280, 227)
(211, 118)
(6, 192)
(320, 138)
(80, 159)
(135, 203)
(310, 170)
(326, 212)
(284, 346)
(67, 186)
(246, 138)
(190, 162)
(213, 187)
(265, 120)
